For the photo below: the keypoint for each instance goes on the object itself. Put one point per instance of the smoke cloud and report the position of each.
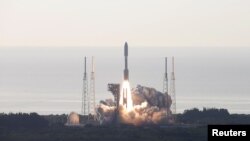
(150, 107)
(106, 111)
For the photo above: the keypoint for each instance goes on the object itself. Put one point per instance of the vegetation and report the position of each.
(191, 126)
(212, 116)
(23, 120)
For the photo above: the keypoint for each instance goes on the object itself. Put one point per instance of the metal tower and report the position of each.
(85, 100)
(92, 89)
(165, 80)
(172, 89)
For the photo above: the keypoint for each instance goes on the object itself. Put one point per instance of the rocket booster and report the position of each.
(126, 77)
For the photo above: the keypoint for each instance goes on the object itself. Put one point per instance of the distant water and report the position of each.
(49, 80)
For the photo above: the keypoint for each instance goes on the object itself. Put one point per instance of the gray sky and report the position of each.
(111, 22)
(41, 70)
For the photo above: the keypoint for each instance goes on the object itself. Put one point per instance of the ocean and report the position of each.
(48, 80)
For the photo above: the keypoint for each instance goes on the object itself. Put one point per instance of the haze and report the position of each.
(43, 43)
(109, 23)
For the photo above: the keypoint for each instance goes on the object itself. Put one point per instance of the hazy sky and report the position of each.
(111, 22)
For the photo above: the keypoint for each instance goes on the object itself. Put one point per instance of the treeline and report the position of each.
(212, 116)
(30, 127)
(23, 120)
(192, 116)
(56, 120)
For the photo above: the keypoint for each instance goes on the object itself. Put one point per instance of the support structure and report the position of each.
(85, 100)
(172, 89)
(165, 79)
(92, 89)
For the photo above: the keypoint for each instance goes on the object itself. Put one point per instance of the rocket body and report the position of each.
(126, 72)
(125, 93)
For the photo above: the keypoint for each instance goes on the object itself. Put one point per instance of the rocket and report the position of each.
(126, 61)
(125, 93)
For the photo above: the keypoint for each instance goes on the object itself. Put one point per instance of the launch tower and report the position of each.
(92, 89)
(172, 89)
(85, 100)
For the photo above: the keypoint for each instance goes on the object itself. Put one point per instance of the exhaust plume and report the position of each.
(149, 107)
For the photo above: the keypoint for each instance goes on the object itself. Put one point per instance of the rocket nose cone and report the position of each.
(126, 49)
(126, 44)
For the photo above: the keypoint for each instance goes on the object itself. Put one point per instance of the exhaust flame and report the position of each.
(126, 97)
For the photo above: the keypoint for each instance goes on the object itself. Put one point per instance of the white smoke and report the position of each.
(151, 96)
(150, 107)
(106, 111)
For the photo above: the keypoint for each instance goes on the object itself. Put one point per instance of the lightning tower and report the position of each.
(92, 89)
(85, 100)
(165, 79)
(172, 89)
